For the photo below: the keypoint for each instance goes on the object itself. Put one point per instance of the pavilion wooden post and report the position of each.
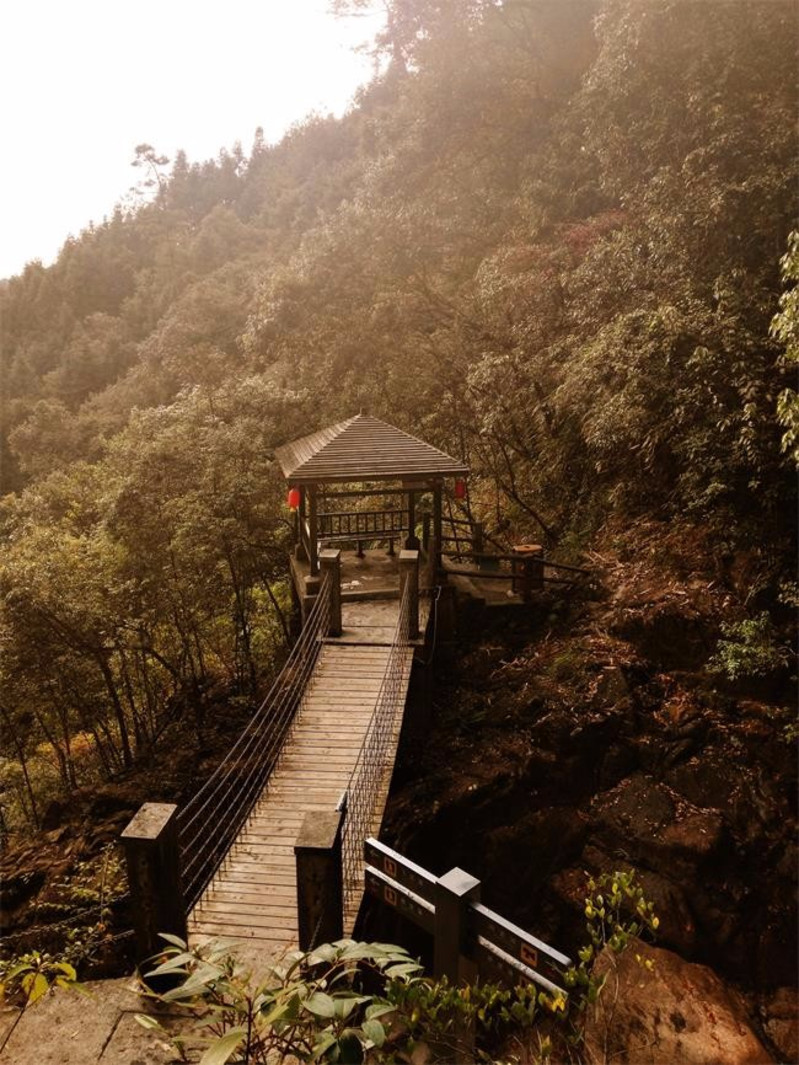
(412, 541)
(435, 552)
(330, 562)
(409, 578)
(426, 530)
(313, 529)
(300, 552)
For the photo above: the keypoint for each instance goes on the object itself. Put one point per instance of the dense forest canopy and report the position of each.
(547, 236)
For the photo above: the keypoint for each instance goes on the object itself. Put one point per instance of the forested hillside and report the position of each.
(547, 237)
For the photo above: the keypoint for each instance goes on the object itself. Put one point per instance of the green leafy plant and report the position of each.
(352, 1002)
(28, 977)
(343, 1002)
(617, 912)
(314, 1006)
(748, 648)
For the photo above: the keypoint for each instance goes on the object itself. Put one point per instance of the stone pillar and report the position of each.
(454, 891)
(330, 562)
(317, 852)
(409, 577)
(152, 852)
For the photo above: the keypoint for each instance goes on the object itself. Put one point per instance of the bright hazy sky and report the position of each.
(82, 82)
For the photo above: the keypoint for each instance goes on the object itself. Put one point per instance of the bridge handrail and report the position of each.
(212, 818)
(367, 776)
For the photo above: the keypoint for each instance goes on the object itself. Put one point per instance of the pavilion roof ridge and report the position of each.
(363, 448)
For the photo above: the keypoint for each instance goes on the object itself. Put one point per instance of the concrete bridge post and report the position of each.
(152, 852)
(455, 891)
(409, 578)
(330, 562)
(317, 852)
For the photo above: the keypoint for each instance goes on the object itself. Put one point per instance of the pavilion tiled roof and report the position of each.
(363, 449)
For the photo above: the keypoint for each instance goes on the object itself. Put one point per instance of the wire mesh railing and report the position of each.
(210, 822)
(368, 776)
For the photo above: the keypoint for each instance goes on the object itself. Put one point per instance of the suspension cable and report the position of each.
(212, 819)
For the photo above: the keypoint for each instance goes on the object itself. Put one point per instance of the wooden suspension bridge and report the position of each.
(269, 852)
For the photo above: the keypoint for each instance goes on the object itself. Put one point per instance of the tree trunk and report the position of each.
(23, 763)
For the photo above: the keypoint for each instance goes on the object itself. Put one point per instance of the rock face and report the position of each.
(678, 1012)
(781, 1023)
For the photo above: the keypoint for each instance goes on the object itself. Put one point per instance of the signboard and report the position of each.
(514, 942)
(405, 872)
(401, 899)
(496, 966)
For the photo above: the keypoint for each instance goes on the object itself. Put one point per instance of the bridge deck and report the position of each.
(252, 897)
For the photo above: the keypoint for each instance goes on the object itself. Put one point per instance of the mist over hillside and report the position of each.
(550, 238)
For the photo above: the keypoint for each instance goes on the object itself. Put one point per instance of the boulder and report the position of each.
(781, 1023)
(677, 1012)
(656, 827)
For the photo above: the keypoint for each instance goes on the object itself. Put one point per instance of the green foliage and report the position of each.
(321, 1006)
(313, 1006)
(547, 237)
(28, 977)
(749, 648)
(785, 327)
(353, 1002)
(617, 912)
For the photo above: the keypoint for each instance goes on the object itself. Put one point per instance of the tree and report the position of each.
(152, 164)
(785, 327)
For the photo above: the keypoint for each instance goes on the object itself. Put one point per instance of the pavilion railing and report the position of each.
(363, 524)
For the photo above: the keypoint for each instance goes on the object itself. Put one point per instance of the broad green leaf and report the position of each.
(223, 1049)
(178, 962)
(40, 987)
(320, 1004)
(324, 953)
(147, 1022)
(379, 1009)
(322, 1044)
(375, 1031)
(66, 968)
(345, 1004)
(176, 941)
(276, 1014)
(407, 968)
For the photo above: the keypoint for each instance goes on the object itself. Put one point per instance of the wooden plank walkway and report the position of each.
(252, 897)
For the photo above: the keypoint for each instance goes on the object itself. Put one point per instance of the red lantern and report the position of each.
(460, 488)
(293, 498)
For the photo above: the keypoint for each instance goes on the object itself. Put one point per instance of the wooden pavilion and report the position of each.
(323, 469)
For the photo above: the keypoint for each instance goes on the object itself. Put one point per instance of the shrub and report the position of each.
(748, 648)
